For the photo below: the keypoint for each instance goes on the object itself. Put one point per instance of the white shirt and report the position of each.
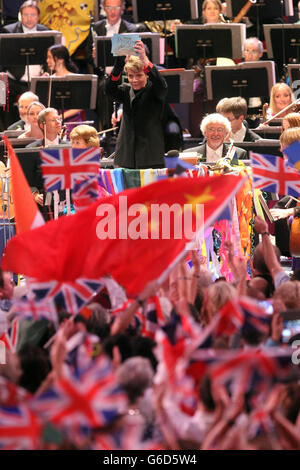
(239, 135)
(51, 143)
(112, 29)
(213, 155)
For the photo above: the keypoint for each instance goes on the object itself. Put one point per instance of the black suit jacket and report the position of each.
(125, 27)
(201, 149)
(17, 27)
(250, 136)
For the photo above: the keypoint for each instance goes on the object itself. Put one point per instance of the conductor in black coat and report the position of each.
(140, 142)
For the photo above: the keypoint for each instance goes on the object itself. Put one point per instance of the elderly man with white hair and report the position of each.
(216, 129)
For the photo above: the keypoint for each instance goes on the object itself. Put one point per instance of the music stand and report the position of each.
(267, 8)
(267, 146)
(180, 85)
(154, 42)
(164, 10)
(283, 42)
(3, 88)
(71, 92)
(210, 40)
(26, 49)
(246, 79)
(30, 162)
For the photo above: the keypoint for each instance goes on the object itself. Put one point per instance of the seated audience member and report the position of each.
(23, 102)
(140, 141)
(50, 124)
(18, 77)
(281, 96)
(84, 136)
(34, 130)
(216, 129)
(235, 110)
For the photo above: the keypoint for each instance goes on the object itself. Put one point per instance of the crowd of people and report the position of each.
(196, 361)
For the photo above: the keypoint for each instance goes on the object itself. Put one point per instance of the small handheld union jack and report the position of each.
(61, 167)
(274, 175)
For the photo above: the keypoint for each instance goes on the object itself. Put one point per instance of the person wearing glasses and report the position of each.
(216, 129)
(253, 49)
(49, 122)
(18, 77)
(114, 24)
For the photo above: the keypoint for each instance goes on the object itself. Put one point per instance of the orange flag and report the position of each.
(27, 214)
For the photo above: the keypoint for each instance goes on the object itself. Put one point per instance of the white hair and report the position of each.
(215, 118)
(256, 41)
(28, 94)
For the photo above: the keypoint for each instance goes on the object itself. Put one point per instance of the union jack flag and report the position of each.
(274, 175)
(11, 394)
(153, 317)
(20, 428)
(85, 192)
(93, 399)
(249, 369)
(242, 314)
(175, 340)
(84, 352)
(10, 338)
(29, 308)
(70, 296)
(138, 319)
(61, 167)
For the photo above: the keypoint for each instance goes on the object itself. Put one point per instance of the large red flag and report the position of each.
(122, 235)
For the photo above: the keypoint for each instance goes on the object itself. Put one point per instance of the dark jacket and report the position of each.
(201, 149)
(250, 136)
(17, 27)
(17, 125)
(125, 27)
(140, 142)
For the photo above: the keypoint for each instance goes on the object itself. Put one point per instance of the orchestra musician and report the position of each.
(280, 97)
(34, 131)
(216, 129)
